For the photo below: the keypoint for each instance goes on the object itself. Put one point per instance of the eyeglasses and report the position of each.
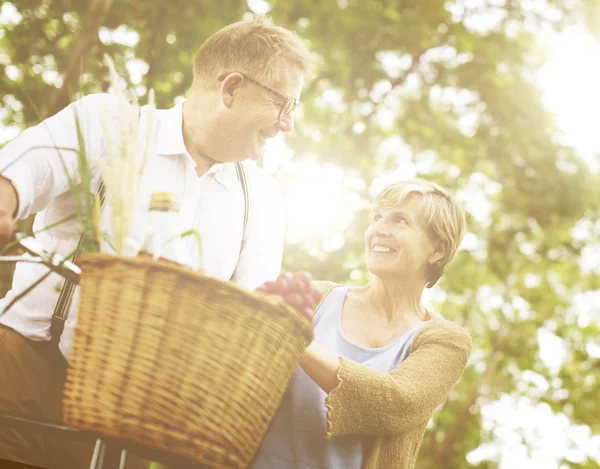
(289, 106)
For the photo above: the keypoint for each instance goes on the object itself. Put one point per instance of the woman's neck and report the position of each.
(394, 301)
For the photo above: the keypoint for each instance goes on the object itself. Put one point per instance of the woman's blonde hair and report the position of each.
(441, 216)
(254, 47)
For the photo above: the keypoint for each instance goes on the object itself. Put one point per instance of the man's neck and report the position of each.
(202, 164)
(191, 141)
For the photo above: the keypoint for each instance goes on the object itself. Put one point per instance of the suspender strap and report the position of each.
(61, 309)
(239, 169)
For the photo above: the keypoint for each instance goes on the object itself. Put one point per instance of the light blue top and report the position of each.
(295, 438)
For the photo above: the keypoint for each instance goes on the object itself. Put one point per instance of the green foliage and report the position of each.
(523, 276)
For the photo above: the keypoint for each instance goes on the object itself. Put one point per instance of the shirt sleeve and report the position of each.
(262, 251)
(368, 402)
(43, 160)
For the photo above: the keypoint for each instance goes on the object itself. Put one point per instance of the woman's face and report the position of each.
(396, 243)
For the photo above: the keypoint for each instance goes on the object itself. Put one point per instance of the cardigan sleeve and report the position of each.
(369, 402)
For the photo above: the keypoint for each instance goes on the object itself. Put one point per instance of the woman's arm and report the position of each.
(322, 366)
(367, 402)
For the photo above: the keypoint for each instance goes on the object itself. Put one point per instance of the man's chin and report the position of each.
(256, 154)
(253, 154)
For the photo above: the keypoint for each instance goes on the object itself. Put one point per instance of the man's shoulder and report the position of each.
(90, 106)
(112, 104)
(96, 99)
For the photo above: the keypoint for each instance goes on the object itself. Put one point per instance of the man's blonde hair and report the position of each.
(441, 216)
(253, 47)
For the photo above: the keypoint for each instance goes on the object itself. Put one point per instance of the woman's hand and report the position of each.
(318, 362)
(296, 290)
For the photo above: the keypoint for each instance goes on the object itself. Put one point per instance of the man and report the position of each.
(247, 82)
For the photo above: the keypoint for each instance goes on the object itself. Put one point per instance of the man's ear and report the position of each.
(229, 88)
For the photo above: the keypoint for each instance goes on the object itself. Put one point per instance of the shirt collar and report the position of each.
(225, 174)
(170, 142)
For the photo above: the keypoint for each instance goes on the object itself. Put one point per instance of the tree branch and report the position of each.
(83, 41)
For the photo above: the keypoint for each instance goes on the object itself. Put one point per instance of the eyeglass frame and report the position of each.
(294, 102)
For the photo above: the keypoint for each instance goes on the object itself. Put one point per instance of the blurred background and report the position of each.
(497, 100)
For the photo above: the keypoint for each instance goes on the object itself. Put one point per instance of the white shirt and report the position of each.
(213, 204)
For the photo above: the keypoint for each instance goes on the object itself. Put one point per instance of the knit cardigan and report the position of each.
(392, 409)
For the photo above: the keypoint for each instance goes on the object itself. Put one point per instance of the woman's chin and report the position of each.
(390, 273)
(382, 271)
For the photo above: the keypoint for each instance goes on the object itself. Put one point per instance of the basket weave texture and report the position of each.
(179, 361)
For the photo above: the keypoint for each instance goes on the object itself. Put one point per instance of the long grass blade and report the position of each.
(96, 223)
(72, 184)
(37, 147)
(33, 285)
(15, 243)
(9, 246)
(56, 223)
(84, 171)
(26, 291)
(84, 209)
(194, 233)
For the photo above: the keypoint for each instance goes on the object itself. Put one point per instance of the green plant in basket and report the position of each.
(122, 169)
(127, 147)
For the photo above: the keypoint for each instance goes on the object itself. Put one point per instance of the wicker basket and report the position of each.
(179, 361)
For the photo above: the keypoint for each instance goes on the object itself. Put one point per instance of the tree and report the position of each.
(399, 82)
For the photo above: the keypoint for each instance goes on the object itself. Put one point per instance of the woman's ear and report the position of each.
(435, 266)
(440, 251)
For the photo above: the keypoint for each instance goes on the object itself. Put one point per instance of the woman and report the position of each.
(380, 363)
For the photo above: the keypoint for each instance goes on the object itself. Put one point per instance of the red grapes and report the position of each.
(296, 290)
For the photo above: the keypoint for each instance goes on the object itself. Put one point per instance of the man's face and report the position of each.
(251, 115)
